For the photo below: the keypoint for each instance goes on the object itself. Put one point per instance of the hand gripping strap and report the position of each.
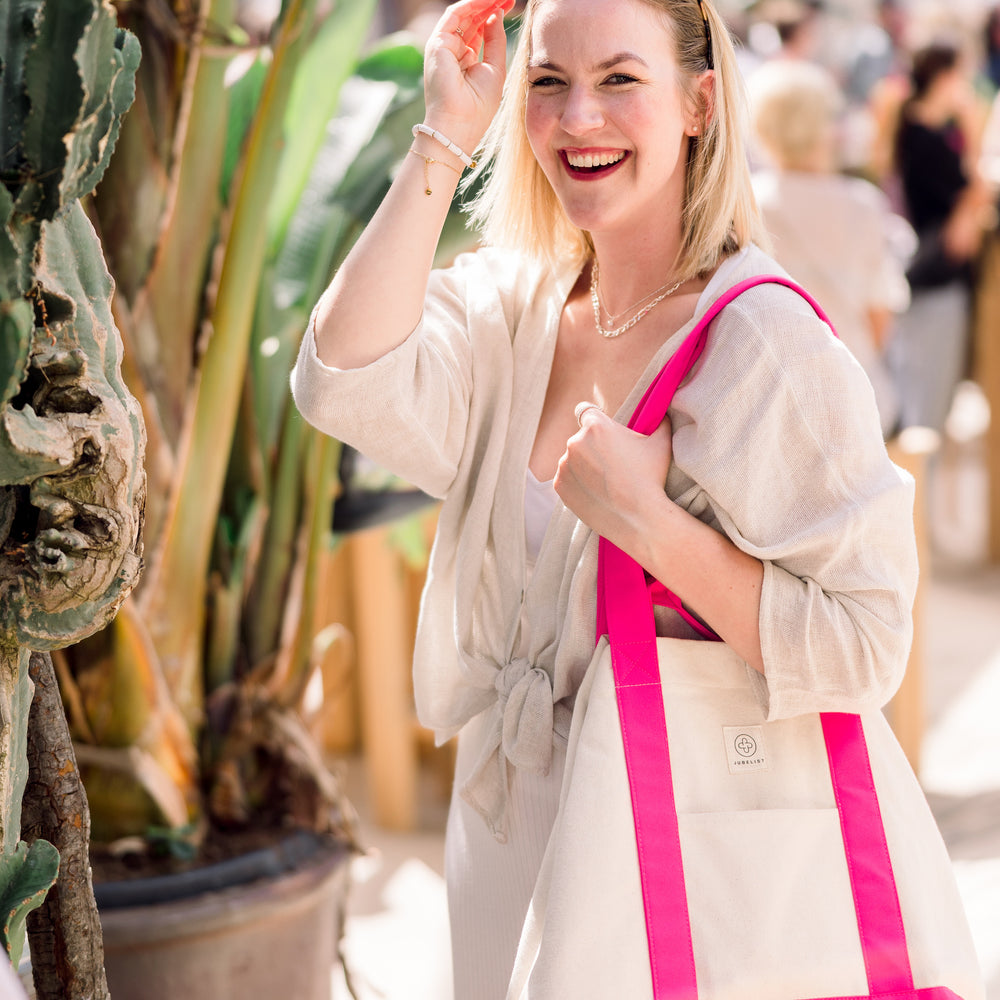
(624, 612)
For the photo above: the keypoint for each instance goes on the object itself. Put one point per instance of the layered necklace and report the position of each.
(616, 331)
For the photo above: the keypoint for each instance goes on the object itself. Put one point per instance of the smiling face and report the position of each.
(606, 117)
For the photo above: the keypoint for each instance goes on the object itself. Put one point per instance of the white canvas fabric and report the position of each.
(770, 902)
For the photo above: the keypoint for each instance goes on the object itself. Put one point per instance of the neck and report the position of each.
(933, 109)
(631, 269)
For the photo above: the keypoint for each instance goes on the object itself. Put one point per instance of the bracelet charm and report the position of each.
(446, 142)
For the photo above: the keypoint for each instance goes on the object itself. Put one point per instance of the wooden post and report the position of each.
(911, 451)
(385, 654)
(336, 723)
(987, 375)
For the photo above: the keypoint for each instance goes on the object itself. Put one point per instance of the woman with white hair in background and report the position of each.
(836, 235)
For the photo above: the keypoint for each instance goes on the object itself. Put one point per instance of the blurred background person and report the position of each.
(834, 234)
(785, 29)
(936, 153)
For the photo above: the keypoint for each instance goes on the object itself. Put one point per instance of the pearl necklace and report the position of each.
(628, 324)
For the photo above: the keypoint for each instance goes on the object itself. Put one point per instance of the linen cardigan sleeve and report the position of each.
(779, 440)
(407, 411)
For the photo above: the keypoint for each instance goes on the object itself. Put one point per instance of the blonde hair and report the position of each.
(517, 207)
(794, 108)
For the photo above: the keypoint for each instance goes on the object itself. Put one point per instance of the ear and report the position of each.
(703, 104)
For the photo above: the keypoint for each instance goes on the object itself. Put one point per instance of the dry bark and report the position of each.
(64, 933)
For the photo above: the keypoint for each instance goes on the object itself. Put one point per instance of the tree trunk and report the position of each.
(64, 933)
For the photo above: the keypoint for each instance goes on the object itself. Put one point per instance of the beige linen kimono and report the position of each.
(777, 443)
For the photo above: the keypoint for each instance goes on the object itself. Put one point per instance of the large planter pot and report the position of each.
(265, 925)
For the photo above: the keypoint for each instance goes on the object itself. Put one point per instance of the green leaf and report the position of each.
(395, 59)
(244, 97)
(349, 178)
(316, 233)
(327, 63)
(26, 876)
(315, 238)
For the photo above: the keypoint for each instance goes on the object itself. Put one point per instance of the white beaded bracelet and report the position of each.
(446, 142)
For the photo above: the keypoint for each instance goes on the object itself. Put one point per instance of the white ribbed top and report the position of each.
(539, 503)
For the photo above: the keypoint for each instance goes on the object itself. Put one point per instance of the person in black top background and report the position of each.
(936, 149)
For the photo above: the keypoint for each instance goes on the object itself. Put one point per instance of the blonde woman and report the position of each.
(617, 207)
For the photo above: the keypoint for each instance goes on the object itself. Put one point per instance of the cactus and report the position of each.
(25, 877)
(71, 436)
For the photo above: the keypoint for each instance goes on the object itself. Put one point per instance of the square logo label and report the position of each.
(745, 749)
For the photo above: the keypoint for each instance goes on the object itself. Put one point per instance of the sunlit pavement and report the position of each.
(396, 939)
(960, 766)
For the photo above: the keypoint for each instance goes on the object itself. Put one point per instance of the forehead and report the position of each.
(599, 27)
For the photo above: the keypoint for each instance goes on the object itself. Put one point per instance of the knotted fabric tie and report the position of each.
(519, 733)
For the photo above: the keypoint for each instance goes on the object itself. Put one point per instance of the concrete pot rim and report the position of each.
(296, 852)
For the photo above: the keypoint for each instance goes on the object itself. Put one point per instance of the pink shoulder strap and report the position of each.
(624, 612)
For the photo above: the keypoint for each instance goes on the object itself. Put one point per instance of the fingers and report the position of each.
(584, 409)
(469, 22)
(495, 38)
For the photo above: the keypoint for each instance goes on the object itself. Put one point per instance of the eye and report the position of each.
(545, 81)
(619, 79)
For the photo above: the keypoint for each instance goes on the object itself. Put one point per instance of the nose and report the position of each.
(582, 111)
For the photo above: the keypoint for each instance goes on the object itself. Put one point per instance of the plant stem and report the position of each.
(67, 950)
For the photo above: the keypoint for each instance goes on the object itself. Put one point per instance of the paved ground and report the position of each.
(396, 942)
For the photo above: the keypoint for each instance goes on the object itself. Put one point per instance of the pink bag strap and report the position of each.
(625, 613)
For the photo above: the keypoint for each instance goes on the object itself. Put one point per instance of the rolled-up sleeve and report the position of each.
(779, 430)
(407, 411)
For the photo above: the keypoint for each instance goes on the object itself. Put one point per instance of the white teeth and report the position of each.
(589, 160)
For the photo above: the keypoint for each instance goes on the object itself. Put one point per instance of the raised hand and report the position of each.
(465, 68)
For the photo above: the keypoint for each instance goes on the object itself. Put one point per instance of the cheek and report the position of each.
(538, 128)
(534, 122)
(660, 136)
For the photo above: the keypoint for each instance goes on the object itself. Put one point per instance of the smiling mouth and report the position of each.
(592, 164)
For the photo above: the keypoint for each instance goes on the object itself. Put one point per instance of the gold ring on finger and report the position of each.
(581, 409)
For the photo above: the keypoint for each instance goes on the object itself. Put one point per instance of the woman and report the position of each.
(617, 207)
(936, 149)
(834, 234)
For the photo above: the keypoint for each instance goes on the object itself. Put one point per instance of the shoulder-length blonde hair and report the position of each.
(517, 207)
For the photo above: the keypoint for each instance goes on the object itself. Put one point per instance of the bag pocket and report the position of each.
(772, 916)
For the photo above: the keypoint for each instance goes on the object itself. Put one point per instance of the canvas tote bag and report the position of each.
(703, 852)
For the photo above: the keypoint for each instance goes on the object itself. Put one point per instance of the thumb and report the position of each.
(587, 412)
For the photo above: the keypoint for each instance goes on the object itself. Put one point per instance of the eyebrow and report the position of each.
(615, 60)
